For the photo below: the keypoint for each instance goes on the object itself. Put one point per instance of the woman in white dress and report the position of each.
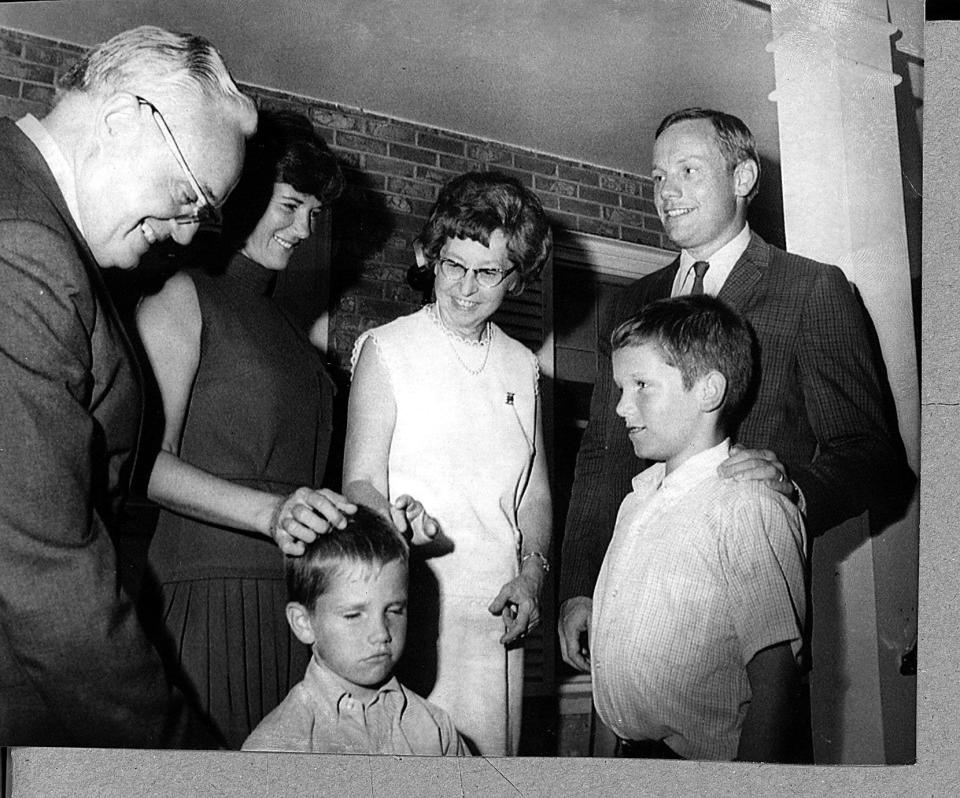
(445, 406)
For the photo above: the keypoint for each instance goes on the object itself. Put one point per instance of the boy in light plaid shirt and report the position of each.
(698, 611)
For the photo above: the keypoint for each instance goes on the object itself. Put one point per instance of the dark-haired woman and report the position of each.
(247, 405)
(445, 405)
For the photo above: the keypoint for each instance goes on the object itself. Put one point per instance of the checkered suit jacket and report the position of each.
(821, 404)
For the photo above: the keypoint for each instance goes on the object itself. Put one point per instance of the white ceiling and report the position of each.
(584, 79)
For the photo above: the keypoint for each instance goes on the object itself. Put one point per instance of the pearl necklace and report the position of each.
(453, 338)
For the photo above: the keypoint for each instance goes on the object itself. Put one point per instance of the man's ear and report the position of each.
(713, 390)
(299, 619)
(118, 116)
(745, 177)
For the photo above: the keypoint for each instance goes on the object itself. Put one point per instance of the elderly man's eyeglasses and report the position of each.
(204, 210)
(486, 277)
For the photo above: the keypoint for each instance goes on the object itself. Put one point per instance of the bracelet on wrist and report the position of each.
(544, 564)
(274, 527)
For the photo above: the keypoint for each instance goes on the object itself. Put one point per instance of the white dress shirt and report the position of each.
(721, 264)
(34, 130)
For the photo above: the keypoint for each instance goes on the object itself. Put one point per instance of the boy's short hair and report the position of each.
(367, 539)
(697, 334)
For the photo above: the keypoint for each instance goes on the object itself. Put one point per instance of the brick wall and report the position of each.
(394, 169)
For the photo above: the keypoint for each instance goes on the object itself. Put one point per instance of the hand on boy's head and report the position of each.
(412, 520)
(759, 464)
(306, 513)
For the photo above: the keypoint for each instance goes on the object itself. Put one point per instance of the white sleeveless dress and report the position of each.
(463, 445)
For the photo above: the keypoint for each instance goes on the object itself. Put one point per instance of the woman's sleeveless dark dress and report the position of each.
(260, 415)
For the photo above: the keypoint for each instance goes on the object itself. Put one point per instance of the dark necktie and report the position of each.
(699, 269)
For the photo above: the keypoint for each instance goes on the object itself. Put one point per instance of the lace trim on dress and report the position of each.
(455, 341)
(485, 337)
(536, 373)
(358, 346)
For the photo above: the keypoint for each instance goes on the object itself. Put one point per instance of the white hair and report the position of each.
(150, 60)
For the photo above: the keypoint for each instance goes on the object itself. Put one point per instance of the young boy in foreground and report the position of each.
(348, 602)
(698, 609)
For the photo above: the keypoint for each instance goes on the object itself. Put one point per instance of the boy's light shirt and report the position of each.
(320, 715)
(34, 130)
(701, 574)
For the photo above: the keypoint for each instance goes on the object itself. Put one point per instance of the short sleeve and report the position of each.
(761, 560)
(358, 348)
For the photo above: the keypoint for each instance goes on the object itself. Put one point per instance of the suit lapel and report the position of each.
(34, 164)
(27, 153)
(661, 283)
(639, 294)
(743, 279)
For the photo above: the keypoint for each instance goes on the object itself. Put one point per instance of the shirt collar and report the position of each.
(690, 471)
(50, 151)
(721, 264)
(331, 688)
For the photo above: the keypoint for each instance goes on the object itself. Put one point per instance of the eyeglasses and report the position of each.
(486, 278)
(204, 210)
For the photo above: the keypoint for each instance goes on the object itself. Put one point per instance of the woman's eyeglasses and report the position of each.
(486, 277)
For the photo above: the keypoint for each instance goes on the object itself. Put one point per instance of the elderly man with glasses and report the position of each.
(92, 185)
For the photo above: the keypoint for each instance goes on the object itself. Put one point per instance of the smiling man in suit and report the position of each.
(816, 430)
(92, 185)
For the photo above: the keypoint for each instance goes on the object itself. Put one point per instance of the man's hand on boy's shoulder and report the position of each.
(761, 465)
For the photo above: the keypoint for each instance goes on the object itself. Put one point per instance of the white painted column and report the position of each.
(843, 204)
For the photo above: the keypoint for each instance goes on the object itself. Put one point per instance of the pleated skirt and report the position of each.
(237, 655)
